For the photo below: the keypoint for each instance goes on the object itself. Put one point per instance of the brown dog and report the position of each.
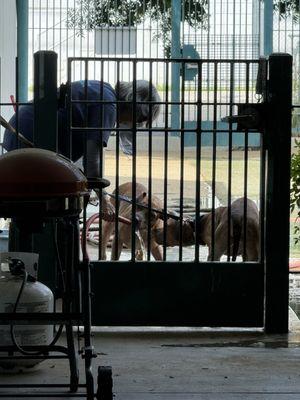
(221, 232)
(124, 233)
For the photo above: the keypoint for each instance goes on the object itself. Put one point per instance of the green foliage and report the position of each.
(295, 187)
(89, 14)
(288, 8)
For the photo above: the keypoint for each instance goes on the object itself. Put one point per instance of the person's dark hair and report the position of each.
(144, 92)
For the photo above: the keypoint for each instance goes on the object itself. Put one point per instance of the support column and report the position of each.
(277, 232)
(22, 49)
(45, 100)
(268, 27)
(45, 137)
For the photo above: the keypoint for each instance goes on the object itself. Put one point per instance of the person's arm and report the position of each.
(93, 171)
(93, 154)
(103, 116)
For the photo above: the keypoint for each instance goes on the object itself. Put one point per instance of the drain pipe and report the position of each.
(268, 27)
(22, 49)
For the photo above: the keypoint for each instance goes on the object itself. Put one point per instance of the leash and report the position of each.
(127, 199)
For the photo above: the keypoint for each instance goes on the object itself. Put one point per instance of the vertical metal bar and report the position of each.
(246, 169)
(230, 160)
(47, 16)
(85, 117)
(53, 24)
(149, 165)
(278, 193)
(17, 101)
(88, 34)
(133, 225)
(208, 56)
(40, 25)
(166, 155)
(60, 40)
(67, 33)
(198, 162)
(262, 196)
(182, 135)
(1, 139)
(32, 50)
(175, 53)
(69, 109)
(214, 155)
(22, 48)
(87, 330)
(102, 105)
(117, 202)
(74, 33)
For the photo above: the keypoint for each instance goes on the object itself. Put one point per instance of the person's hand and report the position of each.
(107, 210)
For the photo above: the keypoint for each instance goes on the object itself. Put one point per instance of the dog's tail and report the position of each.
(237, 234)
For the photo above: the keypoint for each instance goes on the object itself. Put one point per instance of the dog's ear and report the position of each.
(141, 200)
(141, 197)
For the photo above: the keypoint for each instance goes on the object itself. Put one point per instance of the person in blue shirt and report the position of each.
(92, 115)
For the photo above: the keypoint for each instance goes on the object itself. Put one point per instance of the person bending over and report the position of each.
(93, 115)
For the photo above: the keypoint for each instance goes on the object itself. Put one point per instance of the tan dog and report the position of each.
(221, 232)
(236, 231)
(124, 233)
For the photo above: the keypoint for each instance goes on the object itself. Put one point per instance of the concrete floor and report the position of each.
(190, 364)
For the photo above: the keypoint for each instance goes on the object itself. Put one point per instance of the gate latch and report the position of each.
(250, 116)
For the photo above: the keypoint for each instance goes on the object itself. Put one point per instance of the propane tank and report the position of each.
(35, 298)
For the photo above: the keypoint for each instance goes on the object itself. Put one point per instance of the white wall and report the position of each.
(8, 51)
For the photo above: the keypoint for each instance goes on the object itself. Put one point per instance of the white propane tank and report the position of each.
(35, 298)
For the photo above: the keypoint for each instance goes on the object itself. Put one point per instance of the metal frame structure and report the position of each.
(55, 234)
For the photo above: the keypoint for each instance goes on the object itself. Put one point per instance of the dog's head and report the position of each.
(146, 215)
(172, 233)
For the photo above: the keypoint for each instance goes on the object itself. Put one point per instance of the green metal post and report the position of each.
(175, 53)
(45, 100)
(45, 137)
(278, 142)
(268, 27)
(22, 49)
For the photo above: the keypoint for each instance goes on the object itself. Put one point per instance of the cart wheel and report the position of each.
(105, 383)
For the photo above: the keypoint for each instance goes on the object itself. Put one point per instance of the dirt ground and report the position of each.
(189, 172)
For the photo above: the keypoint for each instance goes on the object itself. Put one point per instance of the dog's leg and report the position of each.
(217, 255)
(252, 251)
(107, 230)
(220, 243)
(139, 254)
(156, 251)
(252, 243)
(116, 252)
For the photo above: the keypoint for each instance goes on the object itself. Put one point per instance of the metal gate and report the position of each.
(183, 289)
